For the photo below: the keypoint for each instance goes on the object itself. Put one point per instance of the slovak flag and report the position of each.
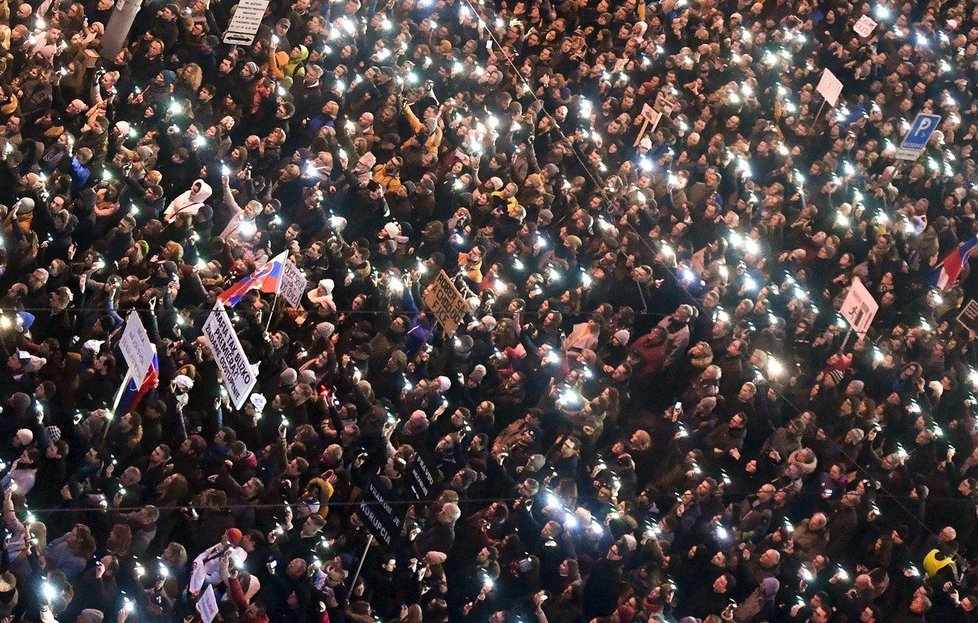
(132, 392)
(268, 279)
(947, 272)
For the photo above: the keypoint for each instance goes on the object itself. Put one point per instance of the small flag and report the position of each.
(131, 393)
(947, 271)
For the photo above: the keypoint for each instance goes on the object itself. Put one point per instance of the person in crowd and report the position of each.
(564, 312)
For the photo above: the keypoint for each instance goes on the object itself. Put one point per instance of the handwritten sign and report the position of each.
(829, 87)
(136, 347)
(864, 26)
(445, 302)
(293, 284)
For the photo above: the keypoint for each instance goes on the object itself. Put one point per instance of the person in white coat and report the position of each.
(207, 566)
(189, 202)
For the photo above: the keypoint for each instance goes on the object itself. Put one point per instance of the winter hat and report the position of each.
(463, 346)
(478, 373)
(308, 377)
(325, 330)
(400, 358)
(234, 536)
(26, 320)
(443, 383)
(24, 205)
(836, 375)
(770, 586)
(625, 613)
(288, 377)
(622, 335)
(392, 230)
(20, 402)
(184, 382)
(258, 402)
(53, 432)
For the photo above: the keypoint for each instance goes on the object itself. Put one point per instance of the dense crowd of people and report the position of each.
(652, 409)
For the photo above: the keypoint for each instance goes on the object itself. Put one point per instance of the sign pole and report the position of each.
(370, 540)
(116, 401)
(818, 114)
(846, 341)
(641, 133)
(271, 312)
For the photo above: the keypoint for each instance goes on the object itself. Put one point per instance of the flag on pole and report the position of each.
(947, 272)
(131, 393)
(268, 279)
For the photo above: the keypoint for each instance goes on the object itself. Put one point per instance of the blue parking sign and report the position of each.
(919, 135)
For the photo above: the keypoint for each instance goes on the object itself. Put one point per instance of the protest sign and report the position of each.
(445, 302)
(236, 371)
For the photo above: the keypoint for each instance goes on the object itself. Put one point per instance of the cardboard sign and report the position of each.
(651, 115)
(859, 308)
(864, 26)
(293, 284)
(968, 318)
(136, 347)
(829, 87)
(382, 519)
(446, 303)
(245, 22)
(915, 142)
(236, 371)
(662, 104)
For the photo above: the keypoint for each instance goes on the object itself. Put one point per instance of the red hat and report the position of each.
(233, 536)
(625, 613)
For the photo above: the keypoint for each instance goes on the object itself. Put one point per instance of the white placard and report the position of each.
(136, 347)
(245, 22)
(859, 308)
(293, 284)
(864, 26)
(829, 87)
(207, 605)
(237, 372)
